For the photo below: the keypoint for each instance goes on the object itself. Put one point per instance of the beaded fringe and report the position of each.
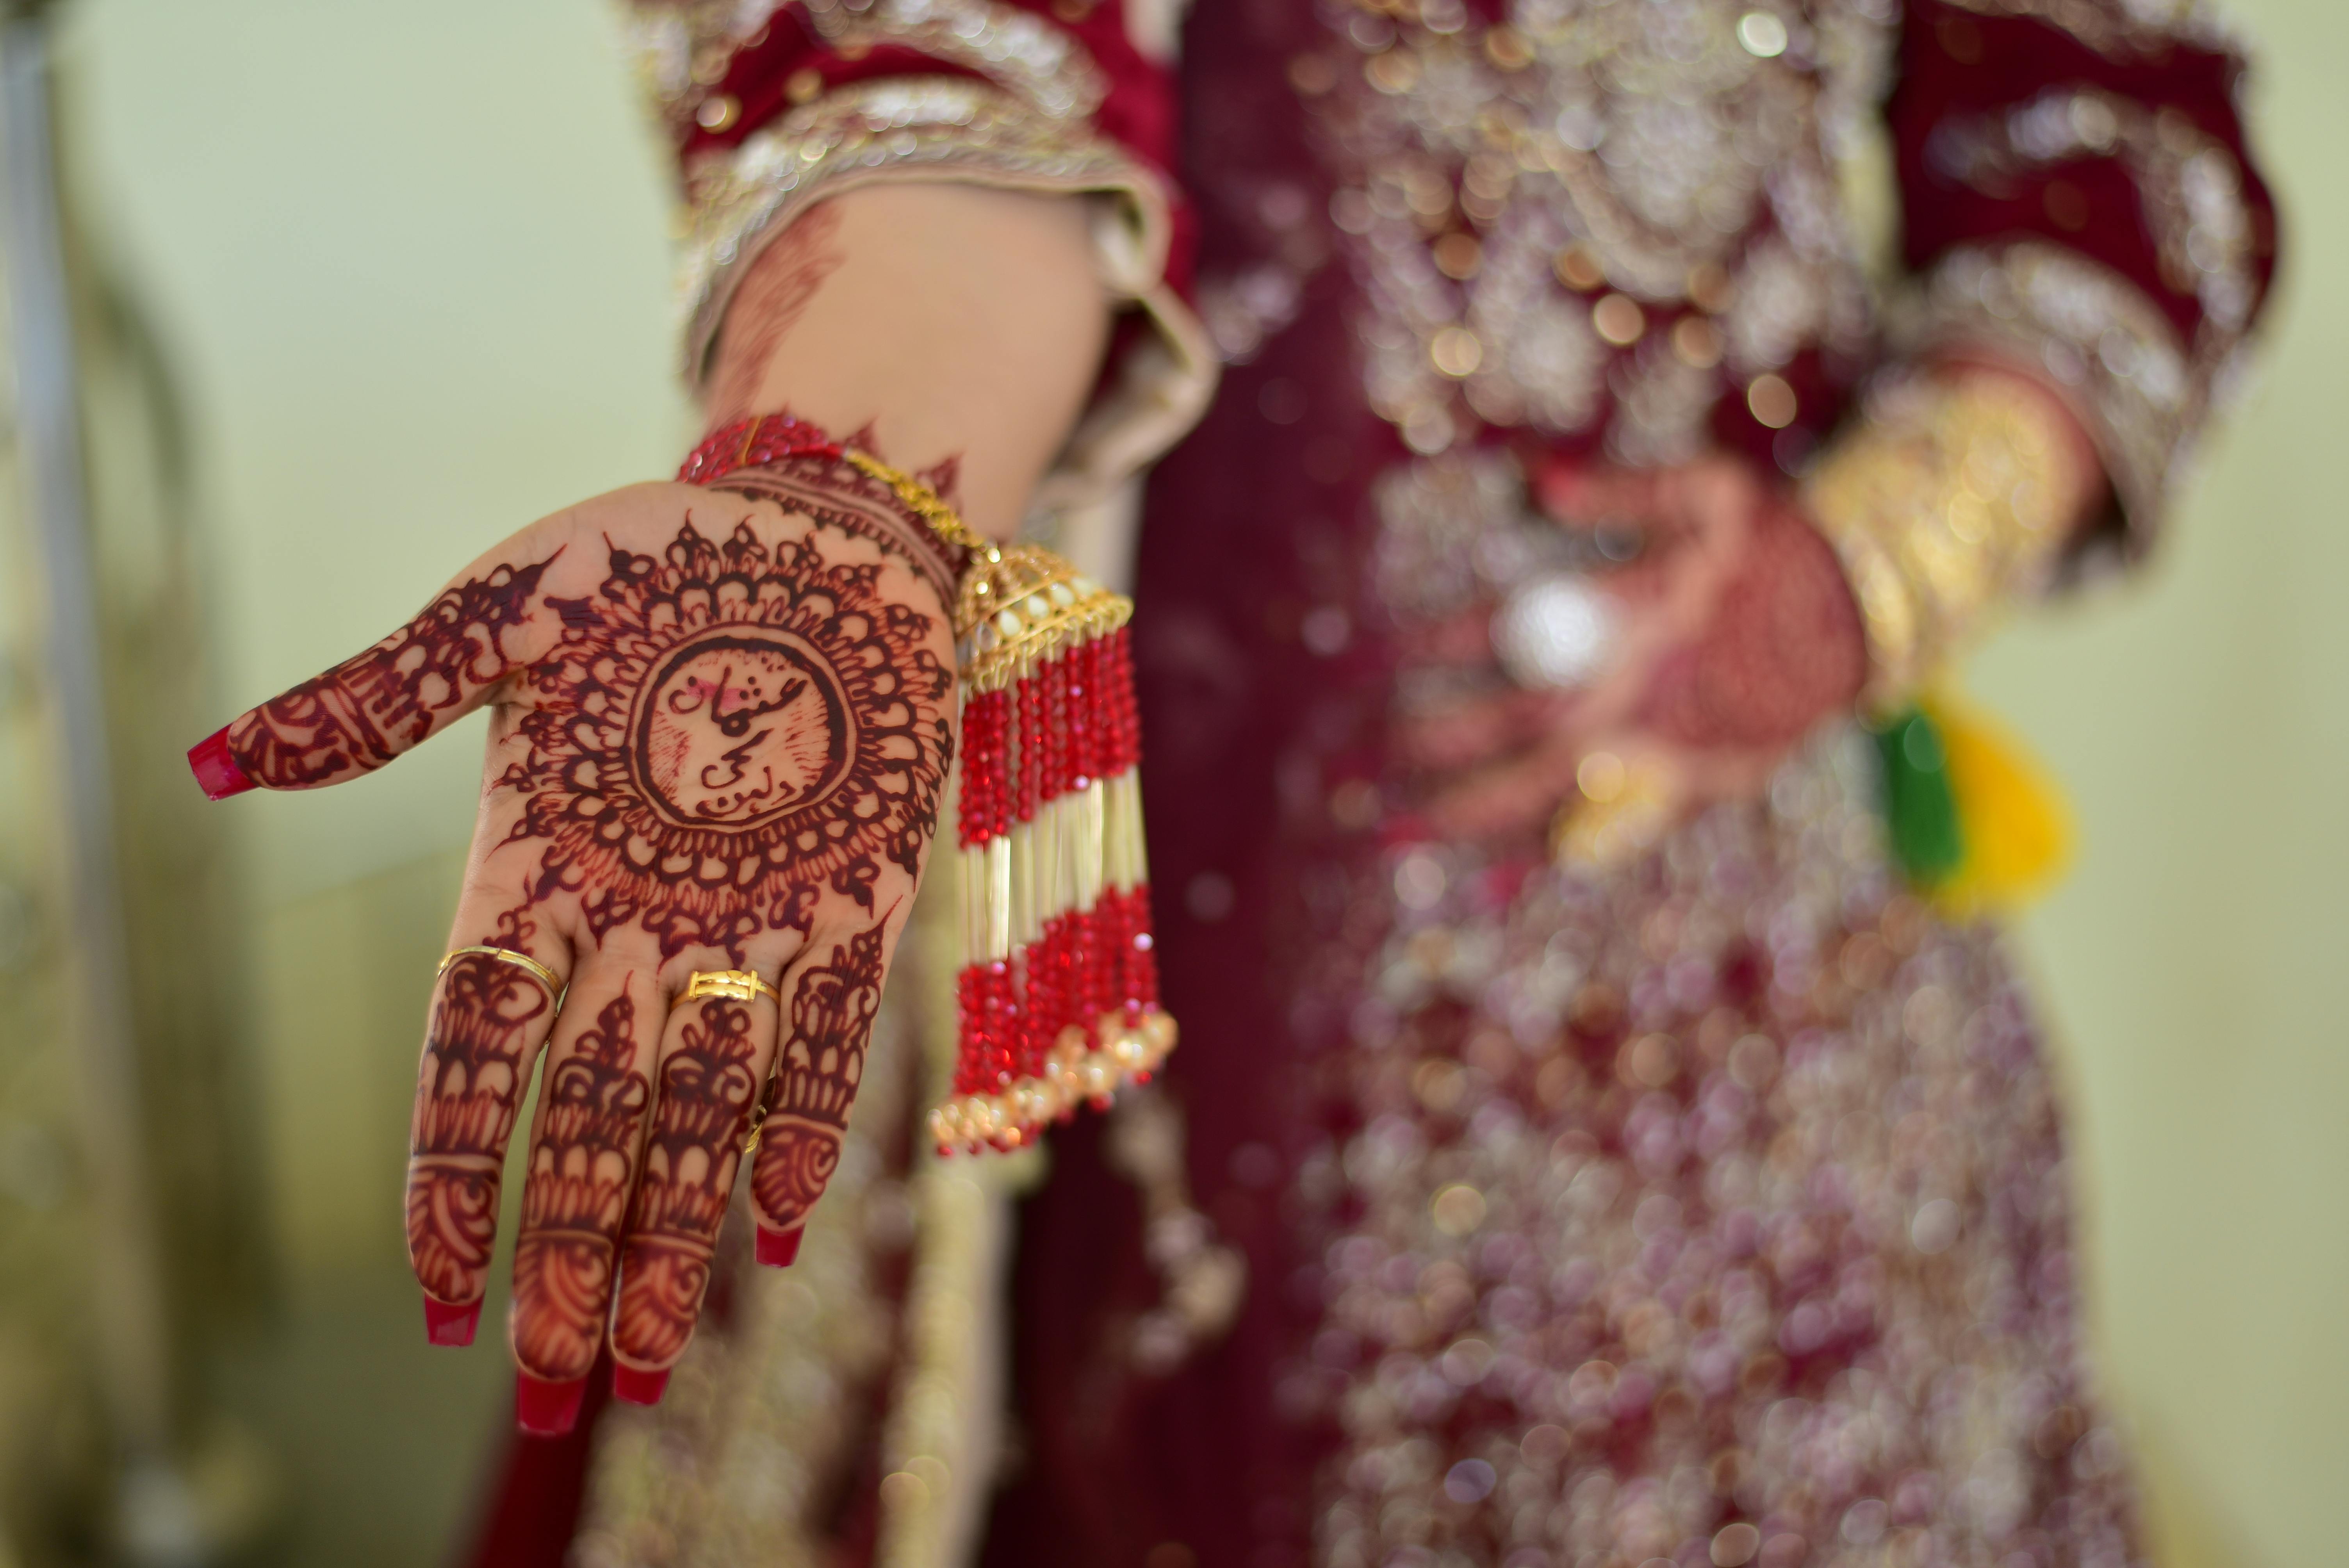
(1058, 995)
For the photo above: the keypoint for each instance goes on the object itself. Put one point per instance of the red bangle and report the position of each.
(771, 441)
(753, 443)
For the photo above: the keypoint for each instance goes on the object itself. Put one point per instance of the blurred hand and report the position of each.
(718, 730)
(1735, 635)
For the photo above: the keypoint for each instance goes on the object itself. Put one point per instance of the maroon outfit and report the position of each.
(1712, 1210)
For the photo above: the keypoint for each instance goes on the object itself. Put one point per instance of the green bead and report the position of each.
(1920, 814)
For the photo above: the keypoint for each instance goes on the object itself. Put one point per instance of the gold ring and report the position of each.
(734, 984)
(522, 961)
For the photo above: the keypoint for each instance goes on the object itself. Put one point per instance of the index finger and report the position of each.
(493, 1007)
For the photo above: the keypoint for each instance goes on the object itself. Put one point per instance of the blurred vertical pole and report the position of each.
(155, 1519)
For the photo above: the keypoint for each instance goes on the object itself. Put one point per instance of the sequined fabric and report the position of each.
(1712, 1211)
(1603, 219)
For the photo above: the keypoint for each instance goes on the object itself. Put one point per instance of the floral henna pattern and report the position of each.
(861, 507)
(709, 746)
(367, 709)
(487, 1019)
(822, 1064)
(705, 1092)
(724, 732)
(1784, 649)
(575, 1197)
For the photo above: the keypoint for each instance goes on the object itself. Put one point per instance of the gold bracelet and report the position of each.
(1946, 502)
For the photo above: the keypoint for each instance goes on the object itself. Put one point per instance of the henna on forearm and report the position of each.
(777, 291)
(817, 1074)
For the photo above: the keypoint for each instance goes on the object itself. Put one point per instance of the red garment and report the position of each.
(1267, 918)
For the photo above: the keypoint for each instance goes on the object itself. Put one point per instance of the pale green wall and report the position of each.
(411, 258)
(2195, 964)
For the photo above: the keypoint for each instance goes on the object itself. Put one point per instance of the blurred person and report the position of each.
(1604, 1130)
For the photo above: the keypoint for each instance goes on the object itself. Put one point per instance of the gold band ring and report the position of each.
(738, 985)
(522, 961)
(734, 984)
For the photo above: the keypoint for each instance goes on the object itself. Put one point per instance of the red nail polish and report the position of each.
(639, 1387)
(545, 1409)
(448, 1323)
(778, 1248)
(216, 771)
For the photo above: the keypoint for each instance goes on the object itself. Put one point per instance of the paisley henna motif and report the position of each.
(822, 1062)
(577, 1196)
(705, 1091)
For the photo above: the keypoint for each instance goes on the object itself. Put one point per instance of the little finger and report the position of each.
(494, 1006)
(817, 1074)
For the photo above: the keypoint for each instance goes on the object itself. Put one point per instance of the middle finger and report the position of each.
(714, 1060)
(582, 1156)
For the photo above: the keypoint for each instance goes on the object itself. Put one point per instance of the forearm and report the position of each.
(950, 321)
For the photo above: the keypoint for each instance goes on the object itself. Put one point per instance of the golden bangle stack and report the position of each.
(1947, 501)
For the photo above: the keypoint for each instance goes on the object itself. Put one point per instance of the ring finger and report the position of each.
(494, 1006)
(591, 1114)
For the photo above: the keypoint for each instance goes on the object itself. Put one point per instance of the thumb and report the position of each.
(369, 708)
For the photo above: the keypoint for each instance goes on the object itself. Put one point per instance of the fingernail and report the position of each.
(778, 1248)
(216, 771)
(639, 1387)
(545, 1409)
(448, 1323)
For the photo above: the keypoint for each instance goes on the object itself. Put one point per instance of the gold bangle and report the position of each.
(546, 977)
(734, 984)
(1947, 501)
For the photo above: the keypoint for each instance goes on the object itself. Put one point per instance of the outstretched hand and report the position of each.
(721, 723)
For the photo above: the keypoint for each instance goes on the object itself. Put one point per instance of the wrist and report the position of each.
(799, 466)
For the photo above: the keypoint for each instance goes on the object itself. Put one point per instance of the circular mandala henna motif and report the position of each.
(733, 728)
(725, 730)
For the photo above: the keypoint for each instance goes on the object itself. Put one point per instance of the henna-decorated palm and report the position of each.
(721, 723)
(1738, 637)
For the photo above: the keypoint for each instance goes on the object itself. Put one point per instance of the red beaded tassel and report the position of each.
(1059, 990)
(1058, 996)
